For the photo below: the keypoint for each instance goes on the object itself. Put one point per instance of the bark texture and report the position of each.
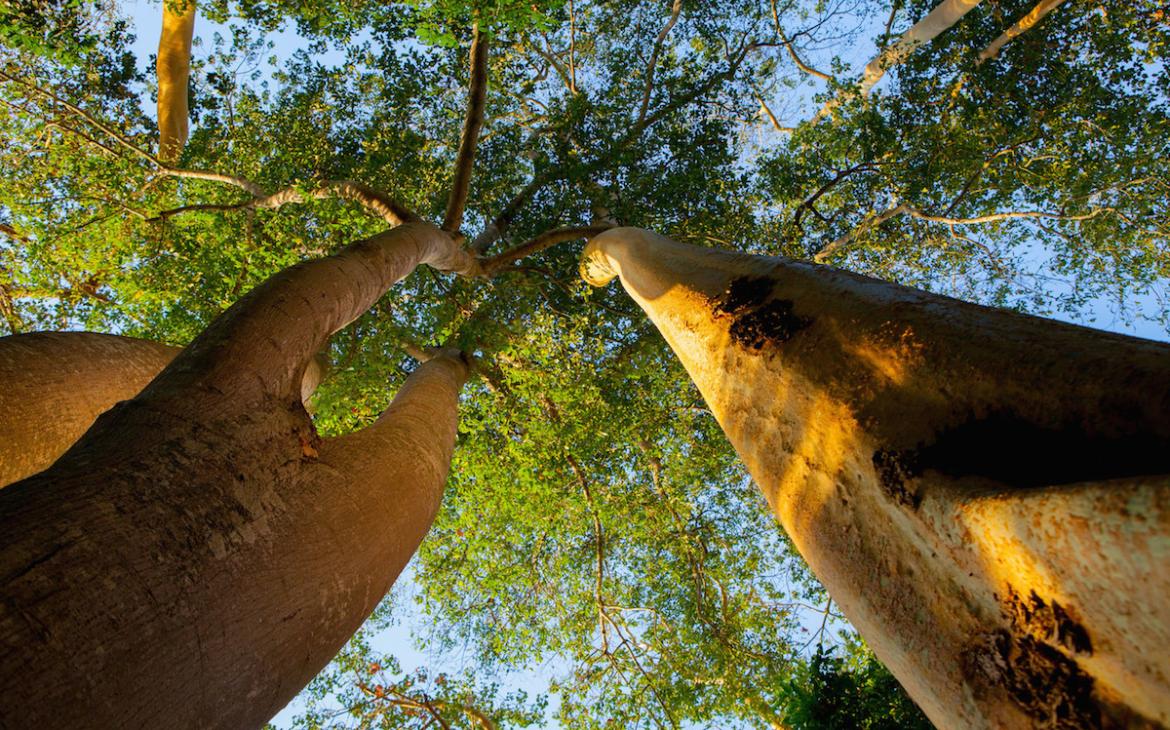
(57, 383)
(201, 553)
(174, 68)
(984, 493)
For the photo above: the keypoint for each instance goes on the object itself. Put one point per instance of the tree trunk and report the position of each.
(201, 553)
(982, 492)
(57, 383)
(939, 19)
(174, 68)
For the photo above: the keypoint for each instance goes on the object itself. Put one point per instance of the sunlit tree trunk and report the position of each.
(56, 383)
(201, 552)
(982, 492)
(174, 68)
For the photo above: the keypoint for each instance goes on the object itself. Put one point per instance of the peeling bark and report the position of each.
(984, 493)
(174, 68)
(201, 553)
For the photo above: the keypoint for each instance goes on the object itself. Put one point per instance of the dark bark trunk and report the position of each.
(201, 553)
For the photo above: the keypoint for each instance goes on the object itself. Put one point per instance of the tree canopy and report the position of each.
(596, 517)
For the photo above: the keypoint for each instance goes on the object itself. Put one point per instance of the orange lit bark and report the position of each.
(201, 553)
(984, 493)
(174, 68)
(57, 383)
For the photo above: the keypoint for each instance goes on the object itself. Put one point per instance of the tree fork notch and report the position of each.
(207, 535)
(469, 139)
(887, 432)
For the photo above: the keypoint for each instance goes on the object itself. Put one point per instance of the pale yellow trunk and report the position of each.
(983, 493)
(174, 67)
(942, 17)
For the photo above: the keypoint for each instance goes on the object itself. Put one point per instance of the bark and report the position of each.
(174, 68)
(982, 492)
(57, 383)
(200, 554)
(1023, 25)
(943, 16)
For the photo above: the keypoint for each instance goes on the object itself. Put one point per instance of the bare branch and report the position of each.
(465, 160)
(675, 11)
(545, 240)
(943, 16)
(792, 50)
(829, 249)
(376, 201)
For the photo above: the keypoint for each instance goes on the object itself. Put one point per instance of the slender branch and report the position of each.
(545, 240)
(792, 50)
(465, 160)
(495, 228)
(675, 11)
(239, 182)
(1023, 25)
(829, 249)
(907, 209)
(376, 201)
(772, 117)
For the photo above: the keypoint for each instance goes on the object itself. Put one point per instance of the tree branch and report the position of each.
(465, 160)
(495, 228)
(792, 50)
(545, 240)
(675, 11)
(1023, 25)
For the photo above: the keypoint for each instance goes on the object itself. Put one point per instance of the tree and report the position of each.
(922, 470)
(648, 565)
(163, 516)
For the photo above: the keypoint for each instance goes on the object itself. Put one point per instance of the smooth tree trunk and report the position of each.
(200, 554)
(54, 384)
(939, 19)
(984, 493)
(174, 69)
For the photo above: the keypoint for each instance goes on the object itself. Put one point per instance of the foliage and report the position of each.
(850, 690)
(596, 521)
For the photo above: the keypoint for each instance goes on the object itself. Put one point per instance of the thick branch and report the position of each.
(174, 69)
(1023, 25)
(943, 16)
(464, 161)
